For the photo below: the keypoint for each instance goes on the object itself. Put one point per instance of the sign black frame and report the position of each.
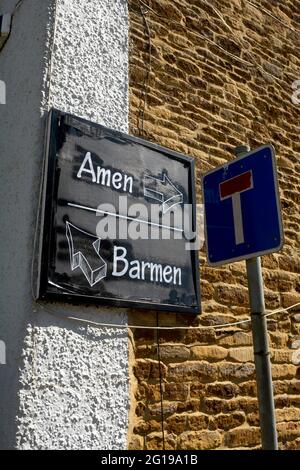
(47, 214)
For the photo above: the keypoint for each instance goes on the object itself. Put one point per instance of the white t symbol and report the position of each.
(233, 188)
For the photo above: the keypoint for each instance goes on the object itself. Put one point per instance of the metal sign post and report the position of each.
(261, 347)
(243, 222)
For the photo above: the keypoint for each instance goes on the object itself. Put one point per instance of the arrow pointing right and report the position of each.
(84, 251)
(163, 191)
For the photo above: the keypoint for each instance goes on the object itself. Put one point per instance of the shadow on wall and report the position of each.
(23, 66)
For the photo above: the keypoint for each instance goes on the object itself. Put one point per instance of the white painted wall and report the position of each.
(90, 61)
(65, 385)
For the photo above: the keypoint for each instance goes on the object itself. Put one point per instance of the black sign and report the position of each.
(118, 220)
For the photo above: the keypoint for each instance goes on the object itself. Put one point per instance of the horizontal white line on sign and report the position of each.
(78, 206)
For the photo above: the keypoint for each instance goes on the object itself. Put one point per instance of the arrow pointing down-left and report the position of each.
(85, 254)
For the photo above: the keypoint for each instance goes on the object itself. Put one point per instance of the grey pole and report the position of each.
(261, 346)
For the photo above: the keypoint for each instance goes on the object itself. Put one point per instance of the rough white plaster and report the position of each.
(89, 69)
(72, 390)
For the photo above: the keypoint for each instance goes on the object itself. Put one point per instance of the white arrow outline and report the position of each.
(78, 260)
(159, 196)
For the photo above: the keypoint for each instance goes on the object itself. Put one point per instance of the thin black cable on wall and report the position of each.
(160, 382)
(144, 93)
(227, 53)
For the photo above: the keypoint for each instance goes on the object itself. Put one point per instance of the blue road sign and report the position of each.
(242, 208)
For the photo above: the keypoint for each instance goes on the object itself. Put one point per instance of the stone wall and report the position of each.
(204, 78)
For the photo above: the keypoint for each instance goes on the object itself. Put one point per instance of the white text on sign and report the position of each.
(105, 176)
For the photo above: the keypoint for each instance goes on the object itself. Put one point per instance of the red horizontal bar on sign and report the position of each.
(236, 185)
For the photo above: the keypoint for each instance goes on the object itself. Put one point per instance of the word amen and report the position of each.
(105, 176)
(143, 270)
